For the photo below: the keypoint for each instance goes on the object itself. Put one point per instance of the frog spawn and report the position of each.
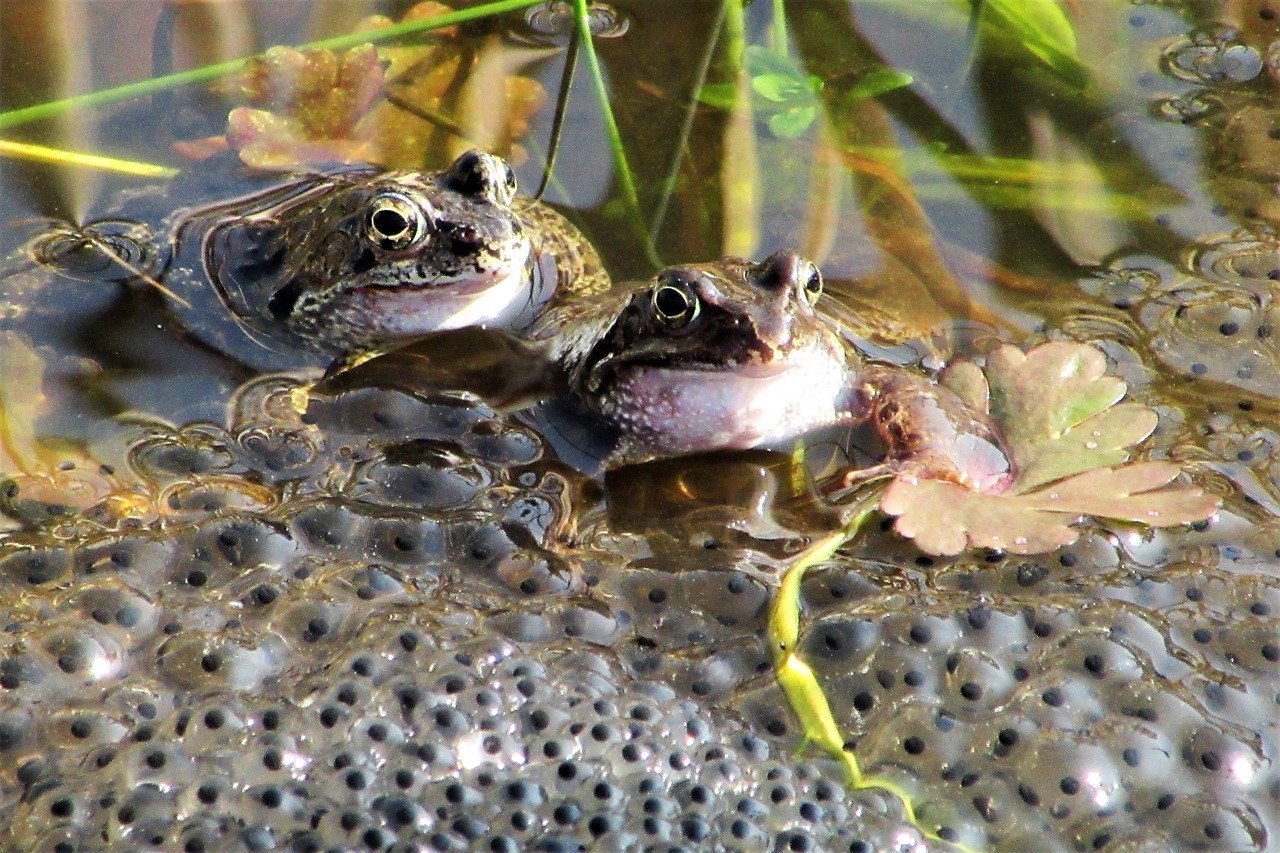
(237, 671)
(433, 734)
(257, 673)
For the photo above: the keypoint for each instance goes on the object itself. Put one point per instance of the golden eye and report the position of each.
(395, 223)
(675, 306)
(813, 285)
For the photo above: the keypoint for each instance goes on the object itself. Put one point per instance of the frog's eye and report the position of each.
(813, 285)
(394, 222)
(476, 173)
(675, 306)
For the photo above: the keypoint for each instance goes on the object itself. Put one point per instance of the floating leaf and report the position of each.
(945, 518)
(1048, 402)
(1068, 433)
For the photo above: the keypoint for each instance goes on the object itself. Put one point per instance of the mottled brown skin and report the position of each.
(355, 259)
(733, 355)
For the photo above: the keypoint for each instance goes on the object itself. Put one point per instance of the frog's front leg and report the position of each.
(931, 433)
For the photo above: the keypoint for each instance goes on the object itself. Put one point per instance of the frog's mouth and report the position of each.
(480, 299)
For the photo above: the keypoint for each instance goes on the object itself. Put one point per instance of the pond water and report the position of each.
(402, 619)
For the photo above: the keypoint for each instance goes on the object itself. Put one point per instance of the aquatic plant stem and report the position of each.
(625, 176)
(205, 73)
(562, 109)
(686, 129)
(740, 166)
(799, 682)
(780, 28)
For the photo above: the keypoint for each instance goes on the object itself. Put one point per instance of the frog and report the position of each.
(736, 355)
(360, 259)
(341, 261)
(727, 355)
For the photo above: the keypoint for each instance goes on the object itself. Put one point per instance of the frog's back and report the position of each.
(577, 268)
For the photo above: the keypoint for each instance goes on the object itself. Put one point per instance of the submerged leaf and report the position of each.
(877, 82)
(386, 106)
(22, 401)
(719, 95)
(40, 477)
(1042, 28)
(793, 122)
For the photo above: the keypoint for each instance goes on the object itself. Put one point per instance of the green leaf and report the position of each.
(721, 95)
(779, 88)
(878, 82)
(761, 60)
(1042, 28)
(792, 123)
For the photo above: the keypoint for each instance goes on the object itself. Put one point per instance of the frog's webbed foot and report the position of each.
(845, 484)
(933, 433)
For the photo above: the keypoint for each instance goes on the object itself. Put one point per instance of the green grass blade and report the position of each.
(625, 176)
(205, 73)
(45, 154)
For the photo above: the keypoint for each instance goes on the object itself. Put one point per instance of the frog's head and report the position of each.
(727, 354)
(354, 258)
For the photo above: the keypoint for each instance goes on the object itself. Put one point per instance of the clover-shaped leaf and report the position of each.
(1068, 434)
(1057, 408)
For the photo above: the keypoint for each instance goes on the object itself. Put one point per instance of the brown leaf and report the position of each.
(944, 518)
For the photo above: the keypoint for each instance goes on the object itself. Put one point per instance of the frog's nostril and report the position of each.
(780, 270)
(465, 240)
